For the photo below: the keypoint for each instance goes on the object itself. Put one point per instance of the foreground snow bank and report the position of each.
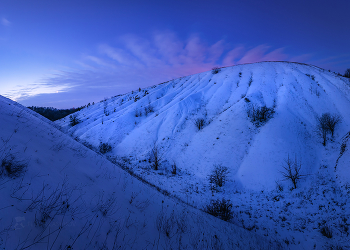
(67, 196)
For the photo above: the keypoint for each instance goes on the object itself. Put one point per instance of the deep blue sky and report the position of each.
(69, 53)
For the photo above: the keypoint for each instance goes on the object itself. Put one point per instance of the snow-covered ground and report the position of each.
(164, 117)
(57, 194)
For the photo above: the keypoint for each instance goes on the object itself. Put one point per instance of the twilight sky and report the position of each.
(71, 52)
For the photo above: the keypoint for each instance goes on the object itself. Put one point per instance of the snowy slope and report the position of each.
(254, 154)
(299, 93)
(66, 196)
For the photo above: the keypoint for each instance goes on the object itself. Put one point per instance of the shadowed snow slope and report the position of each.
(165, 115)
(57, 194)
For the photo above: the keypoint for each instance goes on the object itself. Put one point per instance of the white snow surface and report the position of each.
(255, 154)
(69, 197)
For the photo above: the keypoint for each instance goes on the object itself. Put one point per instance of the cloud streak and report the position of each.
(138, 62)
(5, 22)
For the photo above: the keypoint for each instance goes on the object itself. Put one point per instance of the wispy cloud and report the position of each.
(138, 62)
(5, 22)
(30, 90)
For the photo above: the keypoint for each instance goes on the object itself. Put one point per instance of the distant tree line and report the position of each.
(54, 114)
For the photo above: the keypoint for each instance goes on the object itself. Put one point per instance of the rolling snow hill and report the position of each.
(58, 194)
(297, 93)
(207, 119)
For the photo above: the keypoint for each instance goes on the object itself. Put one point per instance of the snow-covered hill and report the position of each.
(297, 93)
(168, 118)
(58, 194)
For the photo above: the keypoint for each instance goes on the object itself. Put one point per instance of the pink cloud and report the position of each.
(254, 55)
(275, 55)
(169, 46)
(167, 56)
(215, 51)
(233, 55)
(141, 49)
(164, 56)
(194, 51)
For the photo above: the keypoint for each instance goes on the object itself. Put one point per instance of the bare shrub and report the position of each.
(174, 168)
(215, 70)
(105, 106)
(250, 81)
(155, 157)
(12, 167)
(220, 208)
(165, 224)
(171, 224)
(108, 206)
(326, 231)
(326, 124)
(138, 113)
(149, 109)
(218, 176)
(332, 122)
(311, 76)
(104, 147)
(200, 123)
(136, 98)
(279, 186)
(49, 204)
(74, 120)
(292, 171)
(260, 115)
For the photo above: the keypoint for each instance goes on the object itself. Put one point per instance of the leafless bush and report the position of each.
(165, 224)
(218, 176)
(155, 157)
(105, 107)
(171, 225)
(292, 171)
(104, 147)
(136, 98)
(326, 124)
(311, 76)
(220, 208)
(279, 186)
(174, 168)
(74, 120)
(326, 231)
(260, 115)
(138, 113)
(107, 206)
(149, 109)
(215, 70)
(200, 123)
(49, 204)
(250, 81)
(12, 167)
